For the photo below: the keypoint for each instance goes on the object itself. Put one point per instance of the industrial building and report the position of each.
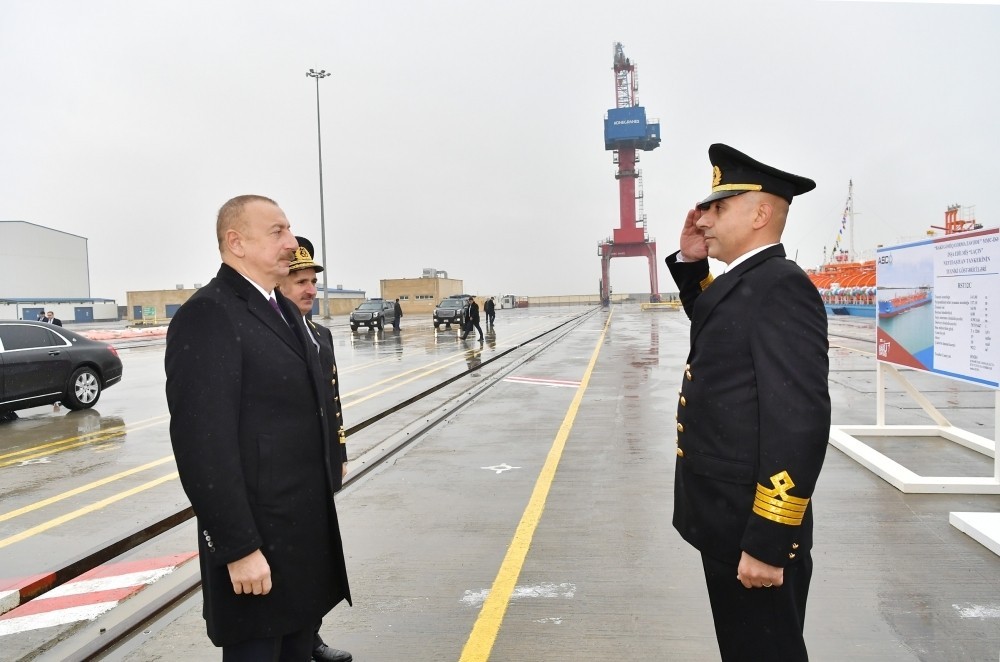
(418, 296)
(44, 269)
(158, 306)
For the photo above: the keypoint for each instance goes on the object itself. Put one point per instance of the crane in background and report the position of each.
(626, 131)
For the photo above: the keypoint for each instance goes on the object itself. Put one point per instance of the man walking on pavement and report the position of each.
(473, 320)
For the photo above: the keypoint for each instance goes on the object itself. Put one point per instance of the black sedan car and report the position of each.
(42, 364)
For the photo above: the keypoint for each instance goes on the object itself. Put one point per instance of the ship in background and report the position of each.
(846, 283)
(903, 302)
(956, 219)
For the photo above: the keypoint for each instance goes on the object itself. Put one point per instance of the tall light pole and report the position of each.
(312, 73)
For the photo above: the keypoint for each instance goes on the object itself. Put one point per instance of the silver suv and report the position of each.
(374, 314)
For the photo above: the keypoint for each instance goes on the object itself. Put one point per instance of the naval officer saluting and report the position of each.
(753, 416)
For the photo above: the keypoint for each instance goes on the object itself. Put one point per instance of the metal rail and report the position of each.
(94, 642)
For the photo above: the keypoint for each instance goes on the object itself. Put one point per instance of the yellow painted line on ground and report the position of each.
(52, 523)
(852, 349)
(80, 490)
(484, 632)
(368, 364)
(451, 359)
(399, 376)
(89, 438)
(100, 433)
(403, 383)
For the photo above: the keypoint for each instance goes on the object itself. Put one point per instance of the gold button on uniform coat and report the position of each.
(754, 425)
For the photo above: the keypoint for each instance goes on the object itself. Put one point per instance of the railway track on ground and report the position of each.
(121, 631)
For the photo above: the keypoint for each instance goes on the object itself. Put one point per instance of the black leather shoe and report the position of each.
(324, 653)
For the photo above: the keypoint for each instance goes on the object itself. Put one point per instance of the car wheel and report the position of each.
(84, 389)
(379, 324)
(354, 328)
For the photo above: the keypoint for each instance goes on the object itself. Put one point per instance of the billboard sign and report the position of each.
(939, 306)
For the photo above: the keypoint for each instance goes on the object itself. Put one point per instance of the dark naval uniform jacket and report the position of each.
(328, 368)
(753, 416)
(256, 456)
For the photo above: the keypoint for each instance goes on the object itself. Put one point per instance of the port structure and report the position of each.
(954, 223)
(626, 133)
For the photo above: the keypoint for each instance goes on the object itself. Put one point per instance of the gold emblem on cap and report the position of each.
(302, 255)
(716, 176)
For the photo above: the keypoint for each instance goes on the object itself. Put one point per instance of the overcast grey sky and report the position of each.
(468, 136)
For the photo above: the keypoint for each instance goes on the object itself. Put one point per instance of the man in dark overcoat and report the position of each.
(252, 440)
(398, 310)
(753, 416)
(299, 287)
(472, 321)
(490, 309)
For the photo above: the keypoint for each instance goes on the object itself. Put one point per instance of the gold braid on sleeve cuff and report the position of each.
(705, 282)
(777, 505)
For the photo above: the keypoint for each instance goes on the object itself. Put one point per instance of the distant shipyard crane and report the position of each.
(625, 131)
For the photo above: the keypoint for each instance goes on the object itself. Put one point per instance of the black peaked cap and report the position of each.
(733, 173)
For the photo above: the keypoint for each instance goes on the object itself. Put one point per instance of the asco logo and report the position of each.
(885, 259)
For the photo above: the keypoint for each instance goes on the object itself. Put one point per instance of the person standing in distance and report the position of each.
(473, 319)
(299, 287)
(399, 315)
(490, 309)
(249, 429)
(753, 417)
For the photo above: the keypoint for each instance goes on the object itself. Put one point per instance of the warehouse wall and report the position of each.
(39, 262)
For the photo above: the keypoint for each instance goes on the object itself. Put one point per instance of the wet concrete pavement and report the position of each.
(604, 576)
(73, 481)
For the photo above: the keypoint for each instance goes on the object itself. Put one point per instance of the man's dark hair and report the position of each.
(231, 211)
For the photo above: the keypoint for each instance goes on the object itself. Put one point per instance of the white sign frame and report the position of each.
(974, 259)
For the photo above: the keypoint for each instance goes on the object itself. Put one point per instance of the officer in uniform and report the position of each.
(299, 286)
(753, 416)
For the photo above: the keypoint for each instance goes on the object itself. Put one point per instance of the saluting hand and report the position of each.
(250, 574)
(693, 246)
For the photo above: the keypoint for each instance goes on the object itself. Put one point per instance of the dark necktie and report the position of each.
(274, 304)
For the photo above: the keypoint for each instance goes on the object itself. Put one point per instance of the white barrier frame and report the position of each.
(845, 438)
(982, 527)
